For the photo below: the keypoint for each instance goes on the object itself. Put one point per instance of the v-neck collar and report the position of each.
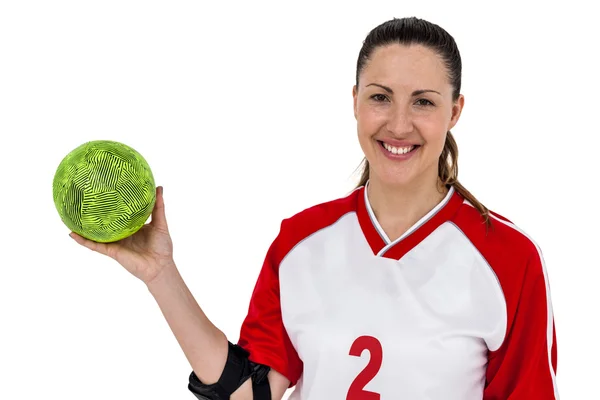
(379, 242)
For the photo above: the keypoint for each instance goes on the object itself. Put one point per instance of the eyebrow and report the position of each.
(415, 93)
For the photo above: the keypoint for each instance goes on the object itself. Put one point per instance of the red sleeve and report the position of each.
(524, 367)
(263, 334)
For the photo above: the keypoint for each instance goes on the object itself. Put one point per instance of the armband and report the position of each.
(237, 370)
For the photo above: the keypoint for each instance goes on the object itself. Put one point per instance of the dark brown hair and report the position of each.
(412, 30)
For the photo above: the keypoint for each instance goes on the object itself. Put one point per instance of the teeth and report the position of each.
(397, 150)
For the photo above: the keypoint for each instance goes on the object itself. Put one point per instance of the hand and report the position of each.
(145, 253)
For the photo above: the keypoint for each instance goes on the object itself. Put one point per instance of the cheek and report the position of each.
(433, 130)
(435, 145)
(369, 121)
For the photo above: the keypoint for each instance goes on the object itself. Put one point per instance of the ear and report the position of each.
(355, 96)
(456, 111)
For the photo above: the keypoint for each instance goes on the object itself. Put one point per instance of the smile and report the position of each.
(398, 153)
(398, 150)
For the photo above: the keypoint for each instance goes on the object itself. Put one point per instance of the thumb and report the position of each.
(159, 218)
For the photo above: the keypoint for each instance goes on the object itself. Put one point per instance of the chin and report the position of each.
(395, 179)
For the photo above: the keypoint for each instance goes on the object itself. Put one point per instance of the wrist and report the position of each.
(165, 276)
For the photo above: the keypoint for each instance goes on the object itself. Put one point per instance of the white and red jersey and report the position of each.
(451, 310)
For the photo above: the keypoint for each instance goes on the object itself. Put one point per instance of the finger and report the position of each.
(159, 218)
(101, 248)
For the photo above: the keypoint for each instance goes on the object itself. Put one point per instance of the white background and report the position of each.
(244, 112)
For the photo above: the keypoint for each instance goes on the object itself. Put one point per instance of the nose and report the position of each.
(400, 121)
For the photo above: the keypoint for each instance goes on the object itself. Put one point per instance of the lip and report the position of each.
(398, 157)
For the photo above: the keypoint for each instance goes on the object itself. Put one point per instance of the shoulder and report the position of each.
(311, 220)
(508, 249)
(324, 214)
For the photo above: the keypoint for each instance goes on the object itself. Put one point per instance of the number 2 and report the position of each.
(356, 391)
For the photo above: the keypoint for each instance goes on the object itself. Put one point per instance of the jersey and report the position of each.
(451, 310)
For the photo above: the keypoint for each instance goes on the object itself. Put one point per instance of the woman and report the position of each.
(449, 300)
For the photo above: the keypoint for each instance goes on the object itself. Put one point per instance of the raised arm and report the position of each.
(148, 255)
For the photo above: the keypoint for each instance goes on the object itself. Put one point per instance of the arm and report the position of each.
(204, 345)
(524, 367)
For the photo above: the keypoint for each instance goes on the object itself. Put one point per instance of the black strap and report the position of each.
(261, 391)
(237, 370)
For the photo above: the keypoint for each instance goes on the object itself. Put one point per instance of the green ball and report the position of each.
(104, 191)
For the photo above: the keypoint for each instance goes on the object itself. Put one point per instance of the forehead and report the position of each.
(406, 66)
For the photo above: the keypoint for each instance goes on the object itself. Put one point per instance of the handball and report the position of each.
(104, 191)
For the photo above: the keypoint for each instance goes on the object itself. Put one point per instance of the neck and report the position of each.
(399, 208)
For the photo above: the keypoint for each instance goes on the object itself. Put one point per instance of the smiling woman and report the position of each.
(450, 300)
(406, 266)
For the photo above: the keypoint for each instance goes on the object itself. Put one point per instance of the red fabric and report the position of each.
(263, 334)
(520, 369)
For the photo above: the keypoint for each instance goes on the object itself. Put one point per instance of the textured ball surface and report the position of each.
(104, 191)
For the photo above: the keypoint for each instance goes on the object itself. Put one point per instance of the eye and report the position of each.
(424, 102)
(379, 97)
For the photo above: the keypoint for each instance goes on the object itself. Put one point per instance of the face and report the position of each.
(403, 108)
